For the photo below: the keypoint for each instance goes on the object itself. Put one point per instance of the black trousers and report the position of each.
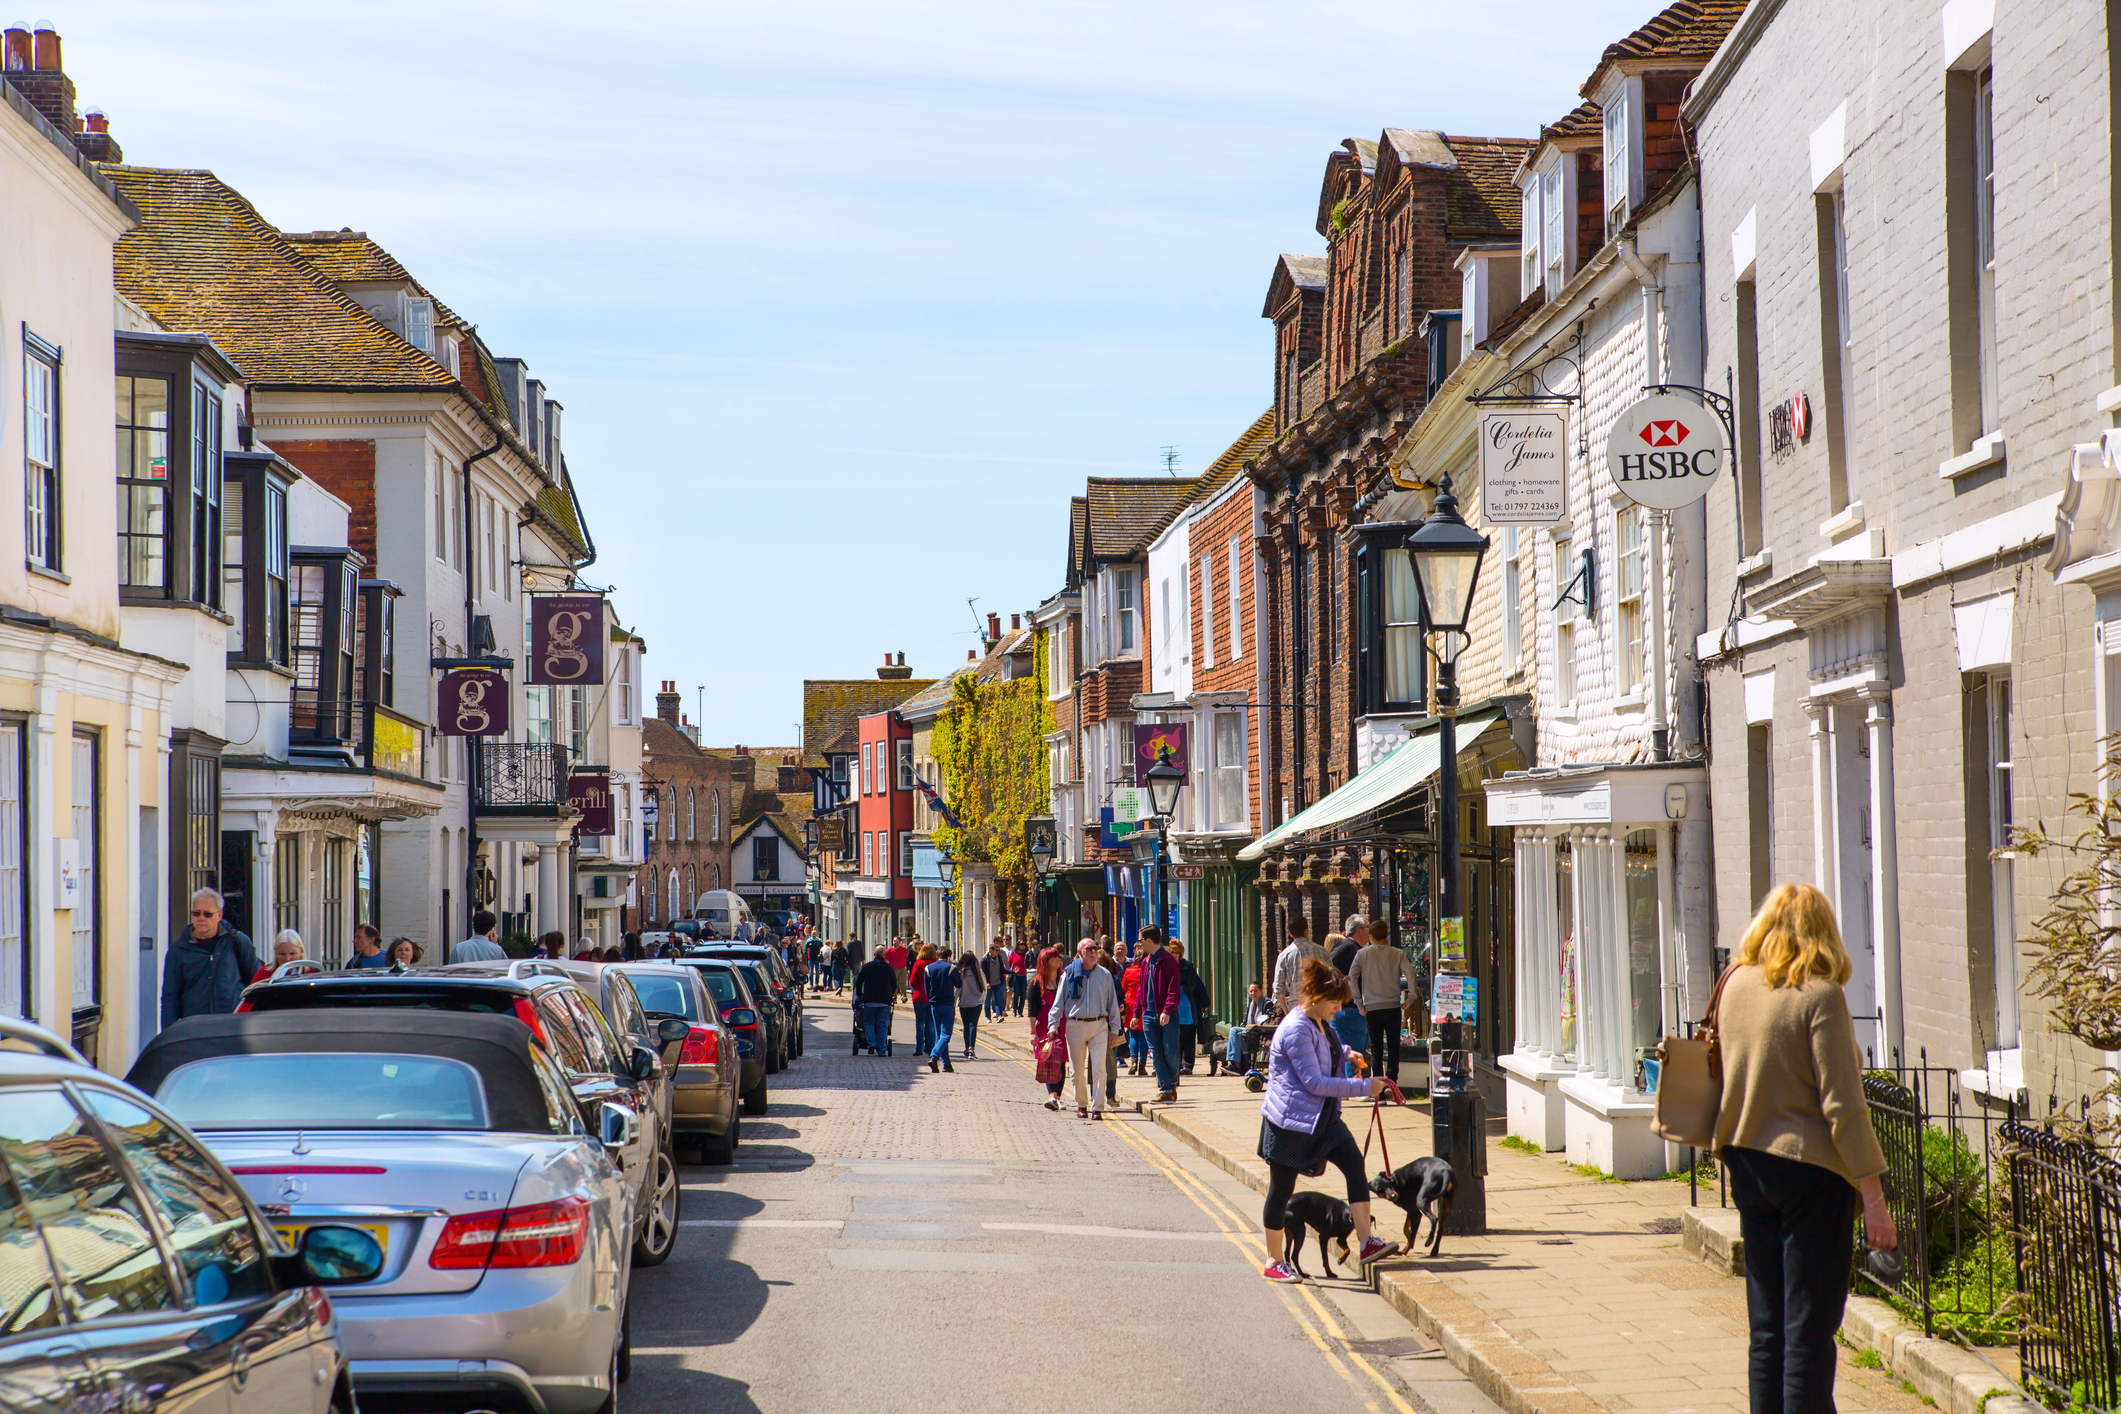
(1384, 1041)
(1799, 1222)
(1346, 1155)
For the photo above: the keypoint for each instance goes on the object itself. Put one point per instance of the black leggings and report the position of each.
(1281, 1180)
(971, 1025)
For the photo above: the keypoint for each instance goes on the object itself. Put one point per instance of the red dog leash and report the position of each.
(1377, 1124)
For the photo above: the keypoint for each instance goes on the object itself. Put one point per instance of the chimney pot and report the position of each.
(19, 46)
(46, 49)
(994, 627)
(95, 121)
(970, 656)
(1016, 622)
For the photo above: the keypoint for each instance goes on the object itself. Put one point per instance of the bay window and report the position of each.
(174, 538)
(1554, 207)
(324, 609)
(143, 483)
(1229, 788)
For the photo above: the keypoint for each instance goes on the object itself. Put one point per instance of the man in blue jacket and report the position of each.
(208, 966)
(940, 979)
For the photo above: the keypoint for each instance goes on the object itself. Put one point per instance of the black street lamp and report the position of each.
(1447, 554)
(1165, 779)
(1042, 841)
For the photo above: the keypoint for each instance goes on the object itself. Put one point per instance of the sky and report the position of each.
(843, 301)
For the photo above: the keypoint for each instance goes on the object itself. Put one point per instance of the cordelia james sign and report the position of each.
(1523, 467)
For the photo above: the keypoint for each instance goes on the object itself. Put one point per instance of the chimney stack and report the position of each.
(894, 672)
(32, 64)
(994, 628)
(971, 656)
(667, 701)
(1016, 623)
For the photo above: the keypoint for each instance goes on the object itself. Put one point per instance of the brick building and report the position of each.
(831, 747)
(695, 790)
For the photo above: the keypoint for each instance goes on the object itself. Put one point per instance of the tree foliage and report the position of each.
(990, 744)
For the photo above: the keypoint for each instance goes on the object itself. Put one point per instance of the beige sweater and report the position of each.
(1792, 1077)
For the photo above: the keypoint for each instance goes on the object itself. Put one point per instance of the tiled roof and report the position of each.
(351, 257)
(204, 260)
(1480, 197)
(1126, 512)
(1689, 31)
(1584, 120)
(1078, 518)
(660, 738)
(557, 502)
(831, 706)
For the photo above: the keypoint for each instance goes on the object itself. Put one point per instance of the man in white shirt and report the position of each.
(1288, 966)
(480, 946)
(1379, 969)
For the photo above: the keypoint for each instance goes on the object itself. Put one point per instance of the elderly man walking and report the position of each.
(1288, 967)
(1086, 1003)
(207, 966)
(1378, 971)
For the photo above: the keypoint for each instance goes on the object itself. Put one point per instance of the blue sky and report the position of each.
(843, 300)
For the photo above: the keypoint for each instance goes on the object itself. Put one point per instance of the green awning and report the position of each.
(1405, 768)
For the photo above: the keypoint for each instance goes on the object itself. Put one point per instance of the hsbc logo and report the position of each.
(1667, 432)
(1666, 451)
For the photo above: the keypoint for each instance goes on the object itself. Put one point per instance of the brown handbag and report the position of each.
(1690, 1080)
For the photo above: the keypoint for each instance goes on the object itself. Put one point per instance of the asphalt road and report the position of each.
(894, 1241)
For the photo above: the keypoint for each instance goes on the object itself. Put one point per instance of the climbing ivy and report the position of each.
(990, 744)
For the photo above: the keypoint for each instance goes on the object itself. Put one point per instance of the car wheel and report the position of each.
(660, 1233)
(720, 1148)
(755, 1100)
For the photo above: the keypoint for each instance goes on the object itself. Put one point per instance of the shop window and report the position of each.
(331, 919)
(15, 989)
(85, 788)
(1565, 929)
(1645, 952)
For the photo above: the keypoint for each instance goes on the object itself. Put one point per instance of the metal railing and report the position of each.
(2066, 1208)
(519, 778)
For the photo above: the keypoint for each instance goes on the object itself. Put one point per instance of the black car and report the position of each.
(567, 1022)
(745, 1016)
(786, 988)
(135, 1272)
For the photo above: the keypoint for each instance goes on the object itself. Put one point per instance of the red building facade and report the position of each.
(883, 886)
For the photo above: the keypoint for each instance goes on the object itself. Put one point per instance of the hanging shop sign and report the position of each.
(1523, 467)
(1150, 739)
(589, 796)
(472, 702)
(1667, 451)
(1130, 805)
(566, 641)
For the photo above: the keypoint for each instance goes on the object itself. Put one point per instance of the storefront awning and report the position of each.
(1406, 768)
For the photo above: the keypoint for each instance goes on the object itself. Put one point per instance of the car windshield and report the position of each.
(326, 1090)
(722, 983)
(718, 915)
(662, 996)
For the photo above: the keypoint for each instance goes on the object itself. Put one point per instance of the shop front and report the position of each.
(1613, 949)
(1217, 918)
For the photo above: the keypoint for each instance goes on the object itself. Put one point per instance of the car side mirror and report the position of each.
(741, 1016)
(673, 1030)
(641, 1065)
(331, 1255)
(617, 1127)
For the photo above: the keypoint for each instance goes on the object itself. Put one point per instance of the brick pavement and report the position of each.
(1578, 1298)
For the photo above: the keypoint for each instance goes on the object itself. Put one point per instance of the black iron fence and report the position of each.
(2066, 1206)
(520, 777)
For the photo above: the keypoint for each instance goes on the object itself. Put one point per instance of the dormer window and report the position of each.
(1623, 112)
(1528, 233)
(1554, 241)
(420, 323)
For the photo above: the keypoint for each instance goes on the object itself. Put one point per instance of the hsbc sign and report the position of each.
(1666, 451)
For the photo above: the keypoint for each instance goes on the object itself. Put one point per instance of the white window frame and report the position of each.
(905, 854)
(869, 853)
(1555, 205)
(43, 445)
(1224, 767)
(1984, 249)
(1237, 603)
(1126, 635)
(1533, 269)
(1631, 548)
(441, 473)
(420, 323)
(1564, 620)
(1512, 600)
(1996, 759)
(868, 772)
(1163, 610)
(1622, 126)
(1207, 611)
(902, 752)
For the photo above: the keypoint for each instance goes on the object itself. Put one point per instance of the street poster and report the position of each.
(1451, 941)
(1453, 998)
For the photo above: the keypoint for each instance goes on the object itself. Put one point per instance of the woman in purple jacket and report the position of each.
(1301, 1123)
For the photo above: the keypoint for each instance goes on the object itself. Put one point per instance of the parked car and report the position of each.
(136, 1274)
(705, 1079)
(455, 1143)
(747, 1020)
(770, 1009)
(566, 1021)
(785, 986)
(622, 1009)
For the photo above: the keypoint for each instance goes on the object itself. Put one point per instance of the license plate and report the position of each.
(291, 1233)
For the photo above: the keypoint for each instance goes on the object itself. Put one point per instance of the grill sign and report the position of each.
(472, 702)
(1523, 467)
(589, 793)
(566, 640)
(1666, 451)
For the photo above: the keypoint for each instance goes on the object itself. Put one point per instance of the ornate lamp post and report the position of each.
(1042, 840)
(1165, 781)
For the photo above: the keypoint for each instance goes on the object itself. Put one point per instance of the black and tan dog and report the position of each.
(1422, 1188)
(1328, 1216)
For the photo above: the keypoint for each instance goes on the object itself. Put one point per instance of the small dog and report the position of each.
(1421, 1188)
(1327, 1215)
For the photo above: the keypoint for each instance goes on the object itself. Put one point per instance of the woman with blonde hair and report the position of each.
(1795, 1134)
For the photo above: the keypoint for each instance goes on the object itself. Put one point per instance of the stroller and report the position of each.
(862, 1011)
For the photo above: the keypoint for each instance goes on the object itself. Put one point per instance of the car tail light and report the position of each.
(528, 1015)
(543, 1235)
(702, 1047)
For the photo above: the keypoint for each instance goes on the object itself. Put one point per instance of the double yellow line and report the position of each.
(1240, 1233)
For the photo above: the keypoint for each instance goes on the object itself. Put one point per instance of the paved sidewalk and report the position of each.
(1578, 1298)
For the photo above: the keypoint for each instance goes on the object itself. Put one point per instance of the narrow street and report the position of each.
(895, 1240)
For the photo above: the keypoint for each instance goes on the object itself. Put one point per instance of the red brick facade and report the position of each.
(346, 467)
(696, 799)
